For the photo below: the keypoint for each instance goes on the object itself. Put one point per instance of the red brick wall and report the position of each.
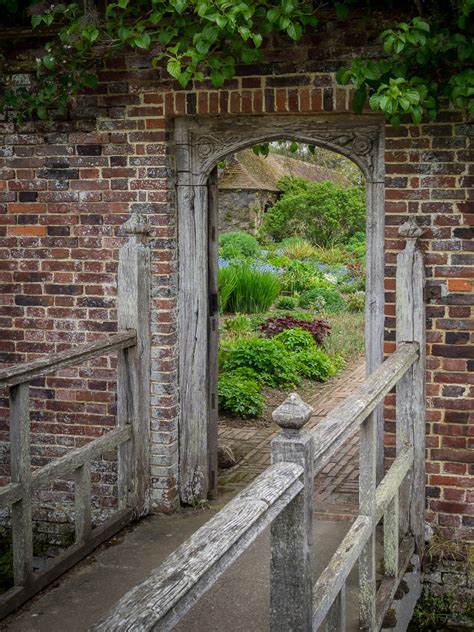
(67, 186)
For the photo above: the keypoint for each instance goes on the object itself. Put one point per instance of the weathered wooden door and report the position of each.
(213, 328)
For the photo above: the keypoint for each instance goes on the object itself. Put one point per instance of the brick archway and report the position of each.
(200, 144)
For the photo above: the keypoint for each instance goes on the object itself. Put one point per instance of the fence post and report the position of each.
(20, 467)
(133, 387)
(410, 313)
(292, 531)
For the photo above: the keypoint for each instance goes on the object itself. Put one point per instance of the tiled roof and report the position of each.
(248, 171)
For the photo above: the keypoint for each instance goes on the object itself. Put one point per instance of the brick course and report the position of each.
(66, 186)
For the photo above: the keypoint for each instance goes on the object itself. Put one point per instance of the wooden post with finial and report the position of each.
(133, 382)
(292, 531)
(410, 322)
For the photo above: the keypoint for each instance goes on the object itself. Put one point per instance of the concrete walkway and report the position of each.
(239, 602)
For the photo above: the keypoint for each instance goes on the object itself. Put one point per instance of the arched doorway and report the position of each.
(200, 144)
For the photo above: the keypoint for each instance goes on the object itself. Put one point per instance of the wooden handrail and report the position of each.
(341, 422)
(27, 371)
(167, 595)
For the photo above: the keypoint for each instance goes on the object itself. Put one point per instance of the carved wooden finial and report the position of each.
(293, 413)
(136, 224)
(410, 229)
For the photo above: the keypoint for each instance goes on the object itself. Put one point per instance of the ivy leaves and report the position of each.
(426, 61)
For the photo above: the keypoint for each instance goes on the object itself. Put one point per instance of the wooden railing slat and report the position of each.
(82, 491)
(65, 465)
(20, 468)
(391, 537)
(336, 617)
(392, 481)
(333, 577)
(27, 371)
(194, 567)
(342, 421)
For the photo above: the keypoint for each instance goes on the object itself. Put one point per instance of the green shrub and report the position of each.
(323, 213)
(243, 289)
(356, 302)
(240, 325)
(286, 302)
(296, 339)
(240, 395)
(227, 282)
(315, 364)
(253, 291)
(238, 244)
(298, 248)
(267, 357)
(300, 276)
(333, 301)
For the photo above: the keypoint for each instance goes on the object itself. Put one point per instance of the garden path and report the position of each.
(337, 484)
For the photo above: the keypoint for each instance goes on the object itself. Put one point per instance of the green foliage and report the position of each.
(315, 364)
(240, 325)
(323, 213)
(227, 282)
(267, 357)
(296, 339)
(425, 59)
(245, 290)
(325, 299)
(286, 302)
(433, 612)
(238, 244)
(296, 248)
(299, 276)
(239, 394)
(356, 302)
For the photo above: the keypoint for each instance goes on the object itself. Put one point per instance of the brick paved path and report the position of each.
(337, 484)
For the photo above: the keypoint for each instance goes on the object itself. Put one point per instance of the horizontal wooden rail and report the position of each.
(27, 371)
(332, 579)
(67, 464)
(16, 596)
(166, 596)
(391, 482)
(343, 421)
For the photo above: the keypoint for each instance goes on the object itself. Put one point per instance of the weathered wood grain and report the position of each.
(374, 300)
(10, 494)
(193, 320)
(391, 531)
(28, 371)
(336, 617)
(392, 481)
(292, 531)
(213, 328)
(342, 421)
(410, 401)
(20, 468)
(164, 598)
(389, 585)
(333, 577)
(67, 464)
(15, 597)
(133, 384)
(82, 497)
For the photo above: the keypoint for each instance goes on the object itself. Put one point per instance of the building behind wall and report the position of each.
(68, 185)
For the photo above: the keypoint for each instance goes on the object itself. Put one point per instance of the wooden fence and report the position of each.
(283, 497)
(130, 437)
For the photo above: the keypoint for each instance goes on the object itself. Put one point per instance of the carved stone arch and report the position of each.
(200, 144)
